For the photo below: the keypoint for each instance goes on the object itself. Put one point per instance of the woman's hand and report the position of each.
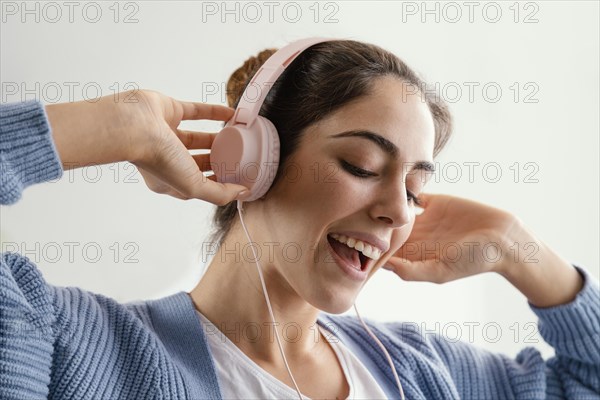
(454, 238)
(142, 127)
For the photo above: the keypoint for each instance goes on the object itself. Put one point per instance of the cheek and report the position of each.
(323, 187)
(311, 193)
(400, 236)
(398, 239)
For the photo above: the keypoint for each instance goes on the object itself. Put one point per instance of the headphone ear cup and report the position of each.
(270, 160)
(247, 156)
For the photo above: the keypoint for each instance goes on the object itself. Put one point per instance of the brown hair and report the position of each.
(320, 80)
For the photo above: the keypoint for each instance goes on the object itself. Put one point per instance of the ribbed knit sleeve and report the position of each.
(572, 329)
(26, 334)
(68, 343)
(65, 342)
(27, 153)
(432, 366)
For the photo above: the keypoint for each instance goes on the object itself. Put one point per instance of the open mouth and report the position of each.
(353, 257)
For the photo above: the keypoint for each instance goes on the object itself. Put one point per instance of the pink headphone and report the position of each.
(246, 150)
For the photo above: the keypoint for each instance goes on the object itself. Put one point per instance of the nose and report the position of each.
(391, 206)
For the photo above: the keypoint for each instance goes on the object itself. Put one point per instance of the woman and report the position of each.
(360, 141)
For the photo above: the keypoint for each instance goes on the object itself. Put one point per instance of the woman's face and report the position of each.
(320, 195)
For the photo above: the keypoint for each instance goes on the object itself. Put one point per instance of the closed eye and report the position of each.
(363, 173)
(356, 171)
(415, 199)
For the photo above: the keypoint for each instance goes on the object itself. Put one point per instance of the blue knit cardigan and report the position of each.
(68, 343)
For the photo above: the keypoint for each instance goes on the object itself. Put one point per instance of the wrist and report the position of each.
(518, 245)
(128, 116)
(88, 133)
(537, 271)
(522, 249)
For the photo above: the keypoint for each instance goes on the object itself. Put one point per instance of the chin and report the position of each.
(336, 302)
(338, 308)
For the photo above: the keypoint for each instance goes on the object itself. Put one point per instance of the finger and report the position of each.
(215, 112)
(177, 195)
(213, 178)
(219, 193)
(208, 189)
(413, 249)
(425, 199)
(419, 271)
(196, 140)
(159, 186)
(177, 168)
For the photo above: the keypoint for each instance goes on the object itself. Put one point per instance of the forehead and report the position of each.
(394, 110)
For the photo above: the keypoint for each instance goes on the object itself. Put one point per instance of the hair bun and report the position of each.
(239, 79)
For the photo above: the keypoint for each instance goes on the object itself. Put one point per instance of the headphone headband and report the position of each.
(247, 111)
(246, 150)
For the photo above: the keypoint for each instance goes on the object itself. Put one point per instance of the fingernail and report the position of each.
(242, 195)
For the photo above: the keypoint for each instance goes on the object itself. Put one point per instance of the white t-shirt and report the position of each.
(242, 378)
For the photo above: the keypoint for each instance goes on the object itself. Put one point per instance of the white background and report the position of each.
(151, 244)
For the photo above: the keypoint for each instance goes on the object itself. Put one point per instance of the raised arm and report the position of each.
(565, 297)
(37, 142)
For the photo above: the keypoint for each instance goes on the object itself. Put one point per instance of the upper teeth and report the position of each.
(365, 248)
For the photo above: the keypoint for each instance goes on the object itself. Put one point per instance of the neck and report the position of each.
(230, 295)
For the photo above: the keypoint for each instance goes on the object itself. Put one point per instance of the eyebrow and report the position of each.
(384, 144)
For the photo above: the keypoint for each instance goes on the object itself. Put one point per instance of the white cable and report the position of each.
(262, 281)
(384, 350)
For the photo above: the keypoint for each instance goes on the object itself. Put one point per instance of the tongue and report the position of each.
(351, 255)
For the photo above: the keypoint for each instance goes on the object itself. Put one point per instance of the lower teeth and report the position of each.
(360, 258)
